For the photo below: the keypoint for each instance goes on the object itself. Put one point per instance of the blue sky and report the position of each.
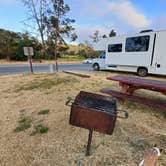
(124, 16)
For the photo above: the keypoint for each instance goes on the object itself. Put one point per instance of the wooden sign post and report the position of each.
(28, 51)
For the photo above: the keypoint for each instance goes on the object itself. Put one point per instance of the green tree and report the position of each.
(8, 43)
(104, 36)
(58, 26)
(112, 33)
(27, 41)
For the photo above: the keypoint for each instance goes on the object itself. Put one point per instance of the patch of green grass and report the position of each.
(131, 105)
(40, 129)
(43, 112)
(24, 123)
(69, 98)
(22, 127)
(47, 83)
(25, 120)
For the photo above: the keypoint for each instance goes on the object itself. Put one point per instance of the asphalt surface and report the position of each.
(24, 68)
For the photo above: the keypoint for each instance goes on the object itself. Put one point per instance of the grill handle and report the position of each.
(126, 114)
(69, 102)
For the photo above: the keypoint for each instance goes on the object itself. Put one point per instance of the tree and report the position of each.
(8, 43)
(95, 37)
(104, 36)
(36, 12)
(112, 33)
(27, 41)
(58, 26)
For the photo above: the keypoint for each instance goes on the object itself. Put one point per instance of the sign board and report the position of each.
(28, 51)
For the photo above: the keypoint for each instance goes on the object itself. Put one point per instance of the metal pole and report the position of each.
(30, 61)
(56, 65)
(89, 143)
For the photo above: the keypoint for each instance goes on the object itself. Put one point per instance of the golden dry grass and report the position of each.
(64, 145)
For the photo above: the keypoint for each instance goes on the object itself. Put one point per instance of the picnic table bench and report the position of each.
(130, 84)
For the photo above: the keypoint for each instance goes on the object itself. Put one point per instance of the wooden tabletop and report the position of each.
(141, 82)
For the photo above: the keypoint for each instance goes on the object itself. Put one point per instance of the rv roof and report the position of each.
(101, 45)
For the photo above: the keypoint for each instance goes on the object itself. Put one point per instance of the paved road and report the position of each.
(23, 68)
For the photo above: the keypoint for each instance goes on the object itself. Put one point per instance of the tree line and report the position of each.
(49, 20)
(12, 43)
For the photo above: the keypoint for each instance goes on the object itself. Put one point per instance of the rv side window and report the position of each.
(140, 43)
(115, 48)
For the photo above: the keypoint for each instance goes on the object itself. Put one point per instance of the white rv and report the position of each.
(142, 53)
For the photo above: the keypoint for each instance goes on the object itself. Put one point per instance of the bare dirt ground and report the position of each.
(63, 144)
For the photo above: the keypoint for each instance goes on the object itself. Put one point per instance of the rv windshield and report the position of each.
(102, 56)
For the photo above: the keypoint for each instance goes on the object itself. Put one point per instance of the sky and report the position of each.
(124, 16)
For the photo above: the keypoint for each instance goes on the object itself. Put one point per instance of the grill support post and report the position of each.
(89, 143)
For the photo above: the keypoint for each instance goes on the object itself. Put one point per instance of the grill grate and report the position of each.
(90, 102)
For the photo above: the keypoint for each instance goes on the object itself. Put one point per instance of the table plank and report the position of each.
(141, 82)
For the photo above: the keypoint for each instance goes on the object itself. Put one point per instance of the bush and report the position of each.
(39, 55)
(82, 53)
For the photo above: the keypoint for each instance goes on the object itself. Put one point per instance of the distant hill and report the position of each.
(82, 50)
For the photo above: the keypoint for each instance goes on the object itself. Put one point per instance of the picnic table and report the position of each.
(130, 84)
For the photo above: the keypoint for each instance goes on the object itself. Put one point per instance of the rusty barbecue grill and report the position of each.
(94, 112)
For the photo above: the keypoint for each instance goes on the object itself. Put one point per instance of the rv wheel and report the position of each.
(142, 72)
(96, 67)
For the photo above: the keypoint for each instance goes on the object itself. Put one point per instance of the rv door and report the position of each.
(159, 59)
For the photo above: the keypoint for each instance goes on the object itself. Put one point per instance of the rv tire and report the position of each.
(142, 72)
(96, 67)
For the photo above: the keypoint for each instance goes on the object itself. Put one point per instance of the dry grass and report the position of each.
(26, 95)
(46, 83)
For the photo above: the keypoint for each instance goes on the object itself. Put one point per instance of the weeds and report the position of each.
(22, 127)
(25, 120)
(69, 98)
(47, 83)
(43, 112)
(40, 129)
(24, 123)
